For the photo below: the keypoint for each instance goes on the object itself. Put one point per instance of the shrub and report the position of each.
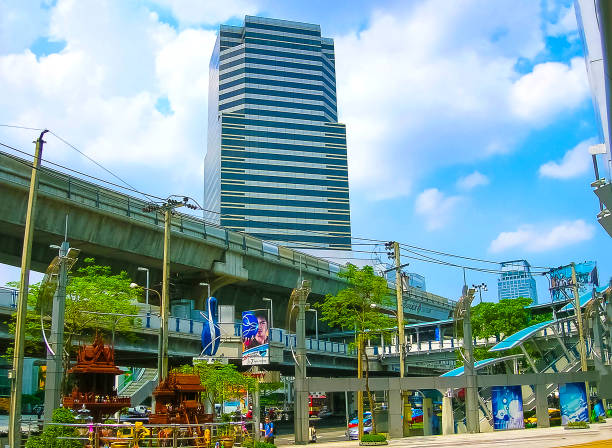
(373, 438)
(264, 445)
(577, 425)
(50, 436)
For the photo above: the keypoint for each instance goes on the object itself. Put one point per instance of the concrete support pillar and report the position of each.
(418, 339)
(542, 406)
(609, 325)
(427, 417)
(407, 413)
(448, 420)
(395, 414)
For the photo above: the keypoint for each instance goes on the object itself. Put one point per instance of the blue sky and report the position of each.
(468, 122)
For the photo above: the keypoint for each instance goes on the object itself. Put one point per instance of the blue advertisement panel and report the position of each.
(507, 407)
(255, 335)
(561, 278)
(573, 403)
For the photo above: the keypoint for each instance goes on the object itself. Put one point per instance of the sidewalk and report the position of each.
(531, 438)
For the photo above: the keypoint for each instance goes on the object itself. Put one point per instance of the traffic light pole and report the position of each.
(16, 373)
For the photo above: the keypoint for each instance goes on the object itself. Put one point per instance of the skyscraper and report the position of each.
(276, 163)
(516, 281)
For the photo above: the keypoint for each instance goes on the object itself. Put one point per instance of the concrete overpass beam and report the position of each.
(229, 271)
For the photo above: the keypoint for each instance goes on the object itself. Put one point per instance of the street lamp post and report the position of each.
(482, 287)
(147, 283)
(316, 323)
(208, 286)
(160, 364)
(265, 299)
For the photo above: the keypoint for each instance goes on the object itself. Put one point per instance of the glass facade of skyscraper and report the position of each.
(276, 163)
(516, 281)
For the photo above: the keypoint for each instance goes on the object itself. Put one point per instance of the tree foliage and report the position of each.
(503, 318)
(223, 382)
(92, 288)
(50, 438)
(357, 307)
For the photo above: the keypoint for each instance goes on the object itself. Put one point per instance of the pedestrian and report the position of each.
(269, 431)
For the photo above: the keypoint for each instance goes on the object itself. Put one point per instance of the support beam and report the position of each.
(427, 417)
(529, 359)
(299, 296)
(395, 415)
(448, 420)
(541, 396)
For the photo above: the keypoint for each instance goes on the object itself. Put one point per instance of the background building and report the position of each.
(516, 281)
(276, 163)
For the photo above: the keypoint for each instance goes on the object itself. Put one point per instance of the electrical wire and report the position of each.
(19, 127)
(302, 245)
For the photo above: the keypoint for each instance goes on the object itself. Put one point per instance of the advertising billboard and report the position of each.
(507, 407)
(561, 280)
(255, 338)
(573, 403)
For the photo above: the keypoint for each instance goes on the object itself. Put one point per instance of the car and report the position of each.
(353, 422)
(139, 410)
(554, 416)
(353, 432)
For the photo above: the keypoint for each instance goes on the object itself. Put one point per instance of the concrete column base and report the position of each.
(448, 420)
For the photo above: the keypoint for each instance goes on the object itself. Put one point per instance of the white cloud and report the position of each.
(551, 88)
(471, 181)
(190, 12)
(529, 238)
(100, 94)
(575, 162)
(435, 84)
(436, 208)
(566, 23)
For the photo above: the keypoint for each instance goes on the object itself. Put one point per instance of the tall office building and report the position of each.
(276, 163)
(516, 281)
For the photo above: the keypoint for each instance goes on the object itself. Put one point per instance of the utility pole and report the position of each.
(55, 365)
(299, 296)
(162, 364)
(406, 411)
(167, 207)
(360, 392)
(16, 373)
(581, 343)
(471, 390)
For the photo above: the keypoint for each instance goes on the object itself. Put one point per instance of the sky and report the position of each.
(468, 122)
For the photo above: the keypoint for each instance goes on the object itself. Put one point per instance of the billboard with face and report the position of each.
(255, 335)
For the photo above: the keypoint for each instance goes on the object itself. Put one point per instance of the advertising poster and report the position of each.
(573, 403)
(507, 407)
(255, 335)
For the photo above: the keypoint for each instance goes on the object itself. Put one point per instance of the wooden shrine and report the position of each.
(95, 373)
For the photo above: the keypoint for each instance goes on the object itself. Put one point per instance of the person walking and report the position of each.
(269, 431)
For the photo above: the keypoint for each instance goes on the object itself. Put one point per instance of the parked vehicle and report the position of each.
(39, 410)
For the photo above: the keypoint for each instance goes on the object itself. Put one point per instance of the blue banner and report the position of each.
(507, 407)
(573, 403)
(255, 338)
(561, 280)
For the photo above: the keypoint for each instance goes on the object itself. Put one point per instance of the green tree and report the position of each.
(223, 382)
(503, 319)
(91, 289)
(356, 307)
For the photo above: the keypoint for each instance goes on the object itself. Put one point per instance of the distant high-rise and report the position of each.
(276, 163)
(516, 281)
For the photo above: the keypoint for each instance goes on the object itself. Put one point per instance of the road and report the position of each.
(598, 435)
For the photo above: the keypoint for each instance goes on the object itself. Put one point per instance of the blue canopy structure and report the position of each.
(584, 299)
(459, 370)
(520, 336)
(481, 364)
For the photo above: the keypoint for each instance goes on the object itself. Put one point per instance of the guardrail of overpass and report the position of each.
(73, 189)
(66, 187)
(8, 299)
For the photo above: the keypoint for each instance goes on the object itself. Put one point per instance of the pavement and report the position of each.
(598, 435)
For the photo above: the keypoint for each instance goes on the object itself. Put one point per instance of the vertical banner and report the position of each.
(573, 403)
(507, 407)
(255, 338)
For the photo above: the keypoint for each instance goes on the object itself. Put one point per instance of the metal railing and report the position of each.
(86, 194)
